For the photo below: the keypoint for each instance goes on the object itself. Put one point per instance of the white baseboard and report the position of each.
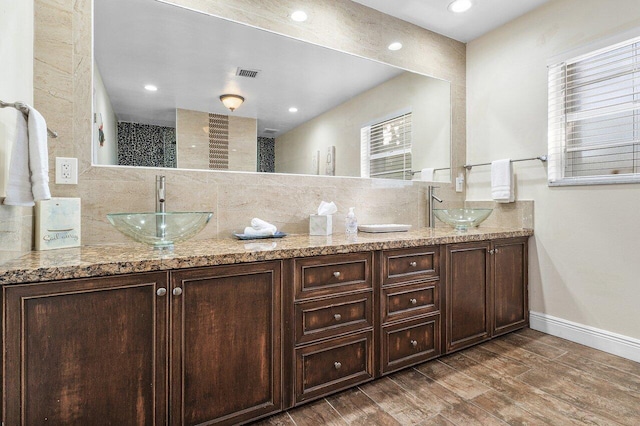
(616, 344)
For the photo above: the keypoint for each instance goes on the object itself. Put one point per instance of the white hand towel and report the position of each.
(29, 169)
(502, 185)
(426, 174)
(260, 228)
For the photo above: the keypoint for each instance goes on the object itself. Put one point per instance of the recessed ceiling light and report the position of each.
(151, 88)
(396, 45)
(299, 16)
(293, 109)
(459, 6)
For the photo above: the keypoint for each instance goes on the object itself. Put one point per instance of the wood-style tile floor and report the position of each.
(524, 378)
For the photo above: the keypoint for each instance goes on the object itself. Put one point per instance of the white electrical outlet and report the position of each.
(66, 171)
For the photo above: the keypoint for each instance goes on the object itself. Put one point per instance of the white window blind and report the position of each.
(594, 117)
(386, 148)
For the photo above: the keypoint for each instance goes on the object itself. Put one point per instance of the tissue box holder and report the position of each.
(320, 224)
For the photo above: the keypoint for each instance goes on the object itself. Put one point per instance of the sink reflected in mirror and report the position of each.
(462, 219)
(160, 230)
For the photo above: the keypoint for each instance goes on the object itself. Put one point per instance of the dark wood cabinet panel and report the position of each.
(328, 317)
(328, 275)
(410, 342)
(404, 265)
(226, 354)
(509, 270)
(91, 351)
(468, 295)
(409, 300)
(329, 366)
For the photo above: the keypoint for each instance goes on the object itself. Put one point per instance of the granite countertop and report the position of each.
(93, 261)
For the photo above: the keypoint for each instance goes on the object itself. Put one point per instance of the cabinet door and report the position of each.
(226, 351)
(510, 285)
(87, 352)
(468, 295)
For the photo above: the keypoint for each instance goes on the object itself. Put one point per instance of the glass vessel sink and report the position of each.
(462, 219)
(160, 230)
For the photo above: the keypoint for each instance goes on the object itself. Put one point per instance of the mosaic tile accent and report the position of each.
(218, 142)
(266, 155)
(146, 145)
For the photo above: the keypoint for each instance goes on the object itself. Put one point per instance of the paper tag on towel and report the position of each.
(58, 223)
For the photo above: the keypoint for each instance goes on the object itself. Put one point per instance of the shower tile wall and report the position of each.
(218, 142)
(146, 145)
(266, 155)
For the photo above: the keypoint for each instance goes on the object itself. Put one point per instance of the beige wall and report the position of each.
(428, 99)
(16, 84)
(63, 92)
(584, 256)
(243, 143)
(192, 135)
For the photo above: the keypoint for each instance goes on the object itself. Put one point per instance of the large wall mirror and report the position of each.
(160, 70)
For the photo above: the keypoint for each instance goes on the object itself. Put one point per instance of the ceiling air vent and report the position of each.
(244, 72)
(268, 131)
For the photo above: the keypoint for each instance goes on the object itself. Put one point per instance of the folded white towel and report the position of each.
(260, 228)
(29, 169)
(427, 174)
(502, 185)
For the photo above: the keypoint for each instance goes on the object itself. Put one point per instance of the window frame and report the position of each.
(557, 122)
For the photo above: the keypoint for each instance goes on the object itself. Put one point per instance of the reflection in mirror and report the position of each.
(307, 109)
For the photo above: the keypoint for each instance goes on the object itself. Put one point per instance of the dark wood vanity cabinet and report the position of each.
(409, 307)
(89, 351)
(231, 344)
(333, 321)
(194, 346)
(486, 290)
(226, 362)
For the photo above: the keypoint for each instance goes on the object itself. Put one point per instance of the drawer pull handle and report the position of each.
(413, 301)
(414, 264)
(337, 365)
(414, 343)
(161, 291)
(177, 291)
(336, 274)
(337, 317)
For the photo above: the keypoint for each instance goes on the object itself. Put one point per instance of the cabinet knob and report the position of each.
(337, 365)
(337, 317)
(336, 274)
(495, 250)
(414, 343)
(177, 291)
(414, 264)
(413, 301)
(491, 251)
(161, 291)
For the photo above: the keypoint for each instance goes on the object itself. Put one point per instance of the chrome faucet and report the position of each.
(160, 194)
(432, 197)
(160, 207)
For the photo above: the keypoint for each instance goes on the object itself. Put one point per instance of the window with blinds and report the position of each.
(594, 117)
(386, 148)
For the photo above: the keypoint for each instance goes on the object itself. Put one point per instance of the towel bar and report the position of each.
(23, 109)
(542, 158)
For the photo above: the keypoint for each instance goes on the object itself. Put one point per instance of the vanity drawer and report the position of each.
(324, 275)
(319, 319)
(410, 300)
(326, 367)
(410, 342)
(410, 264)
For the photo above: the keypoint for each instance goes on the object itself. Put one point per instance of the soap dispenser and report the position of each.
(351, 222)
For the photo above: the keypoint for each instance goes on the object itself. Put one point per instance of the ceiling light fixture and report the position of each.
(232, 101)
(396, 45)
(459, 6)
(299, 16)
(151, 88)
(293, 109)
